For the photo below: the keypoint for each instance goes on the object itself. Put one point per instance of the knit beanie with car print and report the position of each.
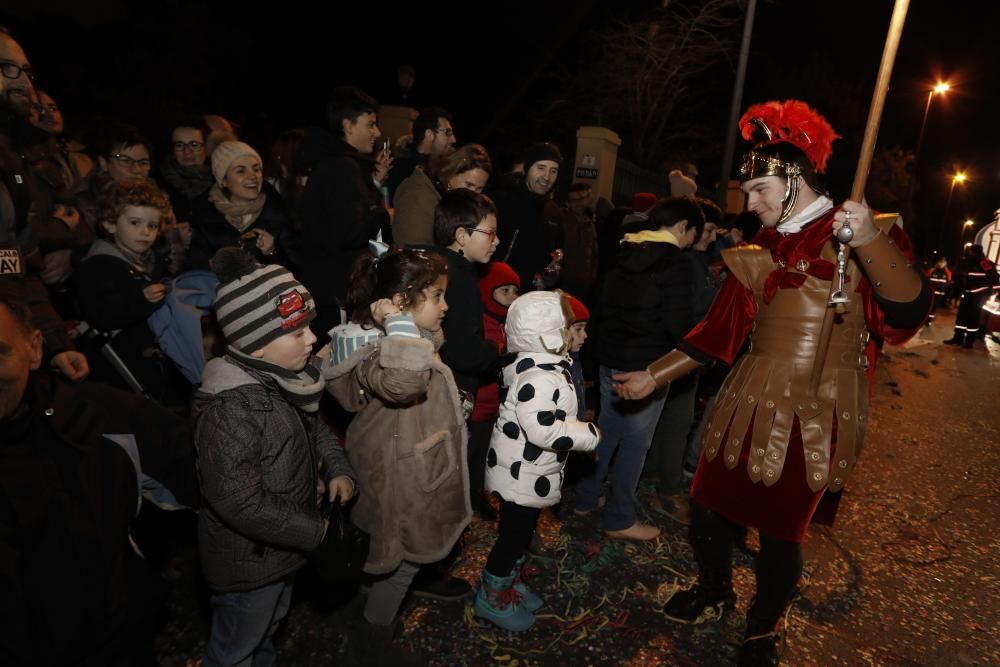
(257, 304)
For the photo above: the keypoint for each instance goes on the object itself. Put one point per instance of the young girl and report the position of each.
(498, 287)
(534, 434)
(118, 286)
(407, 441)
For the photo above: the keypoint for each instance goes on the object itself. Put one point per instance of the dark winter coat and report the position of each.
(259, 460)
(74, 590)
(466, 351)
(522, 222)
(210, 231)
(341, 211)
(109, 296)
(645, 305)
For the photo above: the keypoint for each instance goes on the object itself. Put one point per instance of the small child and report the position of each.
(581, 317)
(534, 434)
(262, 452)
(498, 287)
(407, 440)
(119, 285)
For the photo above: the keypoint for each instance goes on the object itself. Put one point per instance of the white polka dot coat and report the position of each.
(536, 430)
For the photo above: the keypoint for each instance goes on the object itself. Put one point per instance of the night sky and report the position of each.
(147, 63)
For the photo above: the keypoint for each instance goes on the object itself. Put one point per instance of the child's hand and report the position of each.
(154, 293)
(382, 309)
(340, 486)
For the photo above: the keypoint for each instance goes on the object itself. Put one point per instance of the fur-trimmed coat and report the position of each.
(407, 444)
(536, 430)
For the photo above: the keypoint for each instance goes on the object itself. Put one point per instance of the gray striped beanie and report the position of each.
(265, 304)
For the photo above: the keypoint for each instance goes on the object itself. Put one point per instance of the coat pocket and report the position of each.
(435, 460)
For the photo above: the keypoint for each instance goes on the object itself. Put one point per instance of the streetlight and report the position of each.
(941, 88)
(956, 178)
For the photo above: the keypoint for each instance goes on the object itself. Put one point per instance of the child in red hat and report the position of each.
(499, 285)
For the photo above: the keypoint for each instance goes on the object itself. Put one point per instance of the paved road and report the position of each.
(908, 576)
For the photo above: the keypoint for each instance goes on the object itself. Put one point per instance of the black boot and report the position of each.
(778, 570)
(957, 338)
(712, 596)
(760, 643)
(970, 339)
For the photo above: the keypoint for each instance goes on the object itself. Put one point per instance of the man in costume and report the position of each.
(778, 438)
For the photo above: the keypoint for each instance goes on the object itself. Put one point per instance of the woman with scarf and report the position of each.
(240, 208)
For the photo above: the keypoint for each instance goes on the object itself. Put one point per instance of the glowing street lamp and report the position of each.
(968, 223)
(941, 88)
(956, 178)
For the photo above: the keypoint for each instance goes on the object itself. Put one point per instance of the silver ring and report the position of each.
(847, 215)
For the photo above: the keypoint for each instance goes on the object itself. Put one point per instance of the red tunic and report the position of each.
(785, 507)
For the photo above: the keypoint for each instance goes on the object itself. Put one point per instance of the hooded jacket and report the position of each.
(645, 305)
(537, 426)
(408, 443)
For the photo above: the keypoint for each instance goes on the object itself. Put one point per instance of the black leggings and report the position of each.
(517, 526)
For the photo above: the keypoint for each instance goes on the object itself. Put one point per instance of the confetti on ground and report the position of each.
(907, 576)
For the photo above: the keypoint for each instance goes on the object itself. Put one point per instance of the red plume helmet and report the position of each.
(791, 141)
(791, 122)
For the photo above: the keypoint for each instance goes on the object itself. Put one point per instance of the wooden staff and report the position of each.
(864, 164)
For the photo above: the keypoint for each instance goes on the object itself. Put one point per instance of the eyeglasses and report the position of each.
(13, 70)
(192, 146)
(446, 131)
(127, 162)
(491, 233)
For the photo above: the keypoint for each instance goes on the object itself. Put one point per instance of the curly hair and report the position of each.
(116, 197)
(405, 271)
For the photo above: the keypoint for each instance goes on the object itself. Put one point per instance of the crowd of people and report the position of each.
(404, 330)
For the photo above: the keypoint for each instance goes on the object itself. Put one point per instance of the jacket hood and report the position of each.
(536, 323)
(646, 256)
(221, 374)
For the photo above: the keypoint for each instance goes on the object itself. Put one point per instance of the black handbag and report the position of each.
(344, 549)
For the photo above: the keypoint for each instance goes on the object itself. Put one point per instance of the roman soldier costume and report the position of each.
(777, 440)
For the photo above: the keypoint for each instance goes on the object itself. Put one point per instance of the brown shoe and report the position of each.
(637, 531)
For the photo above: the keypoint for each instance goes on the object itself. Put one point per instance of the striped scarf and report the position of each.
(302, 389)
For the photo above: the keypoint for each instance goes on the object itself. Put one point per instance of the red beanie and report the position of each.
(580, 312)
(496, 274)
(643, 201)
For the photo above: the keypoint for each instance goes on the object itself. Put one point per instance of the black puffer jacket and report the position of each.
(259, 460)
(645, 305)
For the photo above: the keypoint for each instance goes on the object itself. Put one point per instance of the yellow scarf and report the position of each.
(653, 236)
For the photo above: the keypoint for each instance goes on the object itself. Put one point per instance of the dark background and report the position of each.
(271, 69)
